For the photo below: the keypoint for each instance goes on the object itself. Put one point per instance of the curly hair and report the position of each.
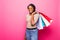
(32, 6)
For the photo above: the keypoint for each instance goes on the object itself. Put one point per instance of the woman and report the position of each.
(31, 19)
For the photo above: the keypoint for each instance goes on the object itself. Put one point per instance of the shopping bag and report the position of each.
(40, 23)
(47, 20)
(43, 21)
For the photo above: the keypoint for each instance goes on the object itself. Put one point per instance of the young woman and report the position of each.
(31, 19)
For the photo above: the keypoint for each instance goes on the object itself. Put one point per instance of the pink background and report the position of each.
(13, 22)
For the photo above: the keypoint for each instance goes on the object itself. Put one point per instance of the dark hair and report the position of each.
(32, 6)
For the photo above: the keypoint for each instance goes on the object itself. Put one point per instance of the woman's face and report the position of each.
(30, 9)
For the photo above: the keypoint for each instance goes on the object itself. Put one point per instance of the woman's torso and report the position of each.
(29, 22)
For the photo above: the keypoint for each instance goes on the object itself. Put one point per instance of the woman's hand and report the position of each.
(33, 13)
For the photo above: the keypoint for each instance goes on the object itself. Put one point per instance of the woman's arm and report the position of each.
(34, 19)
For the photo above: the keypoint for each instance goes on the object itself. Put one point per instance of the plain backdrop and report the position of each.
(13, 19)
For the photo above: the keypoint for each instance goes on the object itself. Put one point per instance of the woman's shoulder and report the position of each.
(37, 14)
(27, 15)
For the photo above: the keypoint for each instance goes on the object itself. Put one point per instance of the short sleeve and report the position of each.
(27, 18)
